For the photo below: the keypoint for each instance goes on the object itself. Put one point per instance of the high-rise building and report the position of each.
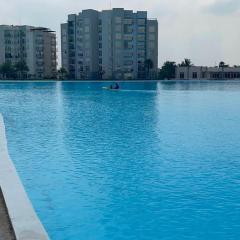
(112, 44)
(33, 45)
(79, 38)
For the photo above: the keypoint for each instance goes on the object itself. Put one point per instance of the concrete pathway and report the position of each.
(24, 220)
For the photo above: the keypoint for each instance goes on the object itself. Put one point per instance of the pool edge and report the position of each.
(24, 220)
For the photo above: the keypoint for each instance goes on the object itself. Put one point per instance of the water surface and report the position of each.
(153, 161)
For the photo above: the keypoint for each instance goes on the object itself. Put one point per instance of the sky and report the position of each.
(206, 31)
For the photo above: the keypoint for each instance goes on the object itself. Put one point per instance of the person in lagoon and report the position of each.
(115, 87)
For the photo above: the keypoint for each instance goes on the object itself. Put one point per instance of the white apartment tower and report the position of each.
(79, 38)
(36, 46)
(112, 44)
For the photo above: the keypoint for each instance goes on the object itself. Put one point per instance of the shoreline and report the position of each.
(23, 218)
(121, 81)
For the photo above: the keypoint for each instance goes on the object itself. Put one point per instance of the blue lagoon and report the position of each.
(155, 160)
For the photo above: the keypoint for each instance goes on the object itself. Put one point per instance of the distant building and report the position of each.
(208, 73)
(33, 45)
(112, 44)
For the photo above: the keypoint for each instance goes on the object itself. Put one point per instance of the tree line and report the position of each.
(18, 70)
(169, 68)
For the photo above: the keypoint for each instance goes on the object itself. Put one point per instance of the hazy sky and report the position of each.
(207, 31)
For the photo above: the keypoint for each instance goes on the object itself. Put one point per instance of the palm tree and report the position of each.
(62, 73)
(222, 65)
(101, 74)
(7, 69)
(186, 63)
(148, 66)
(168, 70)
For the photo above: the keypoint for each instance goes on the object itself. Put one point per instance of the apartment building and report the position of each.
(33, 45)
(111, 44)
(207, 73)
(79, 38)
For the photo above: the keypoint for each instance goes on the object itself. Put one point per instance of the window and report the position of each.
(141, 21)
(118, 44)
(118, 28)
(118, 52)
(141, 29)
(140, 47)
(118, 36)
(80, 40)
(80, 47)
(141, 37)
(152, 37)
(70, 23)
(128, 37)
(128, 21)
(128, 29)
(86, 20)
(181, 75)
(151, 45)
(128, 62)
(141, 53)
(87, 29)
(128, 54)
(152, 29)
(79, 23)
(118, 20)
(128, 45)
(194, 75)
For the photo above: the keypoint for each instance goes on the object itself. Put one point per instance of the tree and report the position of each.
(141, 70)
(101, 74)
(62, 73)
(21, 69)
(168, 70)
(7, 70)
(186, 63)
(222, 65)
(148, 66)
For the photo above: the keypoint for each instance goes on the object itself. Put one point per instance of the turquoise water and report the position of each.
(154, 161)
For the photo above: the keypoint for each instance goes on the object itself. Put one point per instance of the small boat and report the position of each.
(110, 89)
